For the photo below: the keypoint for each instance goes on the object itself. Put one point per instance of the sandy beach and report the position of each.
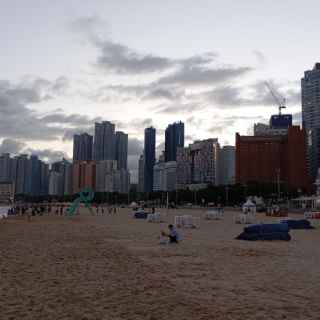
(112, 267)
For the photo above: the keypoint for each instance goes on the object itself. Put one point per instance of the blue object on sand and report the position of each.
(264, 236)
(297, 224)
(268, 231)
(267, 228)
(141, 215)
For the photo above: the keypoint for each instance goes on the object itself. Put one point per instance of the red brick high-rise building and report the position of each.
(267, 158)
(84, 175)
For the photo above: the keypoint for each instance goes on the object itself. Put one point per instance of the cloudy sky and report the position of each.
(67, 63)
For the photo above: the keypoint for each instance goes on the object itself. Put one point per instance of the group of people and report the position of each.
(56, 209)
(27, 209)
(110, 210)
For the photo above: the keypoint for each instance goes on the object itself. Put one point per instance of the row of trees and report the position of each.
(225, 195)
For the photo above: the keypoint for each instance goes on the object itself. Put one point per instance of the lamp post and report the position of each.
(278, 183)
(227, 195)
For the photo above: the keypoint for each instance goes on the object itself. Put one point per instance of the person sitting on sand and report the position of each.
(173, 234)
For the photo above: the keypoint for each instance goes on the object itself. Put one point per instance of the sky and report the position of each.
(65, 64)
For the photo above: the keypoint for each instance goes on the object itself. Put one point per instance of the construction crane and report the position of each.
(281, 102)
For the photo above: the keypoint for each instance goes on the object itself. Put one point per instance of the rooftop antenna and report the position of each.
(280, 100)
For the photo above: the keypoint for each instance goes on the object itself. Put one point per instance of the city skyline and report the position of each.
(82, 64)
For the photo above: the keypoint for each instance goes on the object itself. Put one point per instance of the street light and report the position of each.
(227, 195)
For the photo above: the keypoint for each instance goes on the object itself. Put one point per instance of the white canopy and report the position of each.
(4, 212)
(249, 204)
(133, 205)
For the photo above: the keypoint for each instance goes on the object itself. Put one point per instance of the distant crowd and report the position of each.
(55, 209)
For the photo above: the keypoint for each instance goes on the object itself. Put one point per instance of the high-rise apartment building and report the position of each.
(227, 170)
(84, 175)
(63, 167)
(33, 176)
(184, 164)
(21, 180)
(165, 176)
(310, 95)
(118, 181)
(198, 163)
(82, 147)
(103, 168)
(141, 174)
(5, 167)
(174, 139)
(67, 190)
(149, 157)
(104, 146)
(55, 183)
(122, 149)
(44, 179)
(29, 174)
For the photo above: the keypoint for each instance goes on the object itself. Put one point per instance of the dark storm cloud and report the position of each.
(44, 88)
(193, 71)
(73, 119)
(121, 59)
(16, 147)
(68, 133)
(195, 75)
(47, 155)
(118, 58)
(134, 125)
(19, 121)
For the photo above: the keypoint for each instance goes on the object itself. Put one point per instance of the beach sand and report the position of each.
(112, 267)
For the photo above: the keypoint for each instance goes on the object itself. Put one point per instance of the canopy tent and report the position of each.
(249, 206)
(133, 205)
(4, 212)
